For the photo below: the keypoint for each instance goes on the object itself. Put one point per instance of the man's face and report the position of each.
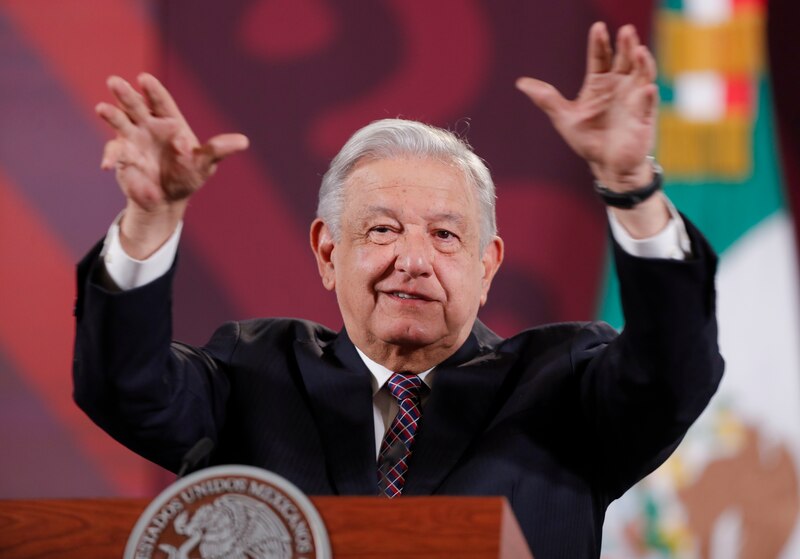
(408, 272)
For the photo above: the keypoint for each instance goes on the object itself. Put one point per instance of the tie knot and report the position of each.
(405, 386)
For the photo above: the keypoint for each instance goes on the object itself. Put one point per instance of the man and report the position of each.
(415, 396)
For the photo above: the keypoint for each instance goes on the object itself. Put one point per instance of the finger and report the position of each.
(160, 101)
(598, 55)
(627, 42)
(130, 100)
(215, 150)
(644, 65)
(116, 118)
(646, 101)
(165, 130)
(543, 95)
(138, 188)
(112, 153)
(224, 145)
(184, 145)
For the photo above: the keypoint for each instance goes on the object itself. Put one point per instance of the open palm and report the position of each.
(611, 123)
(157, 157)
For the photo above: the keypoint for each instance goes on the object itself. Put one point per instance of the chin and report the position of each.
(410, 335)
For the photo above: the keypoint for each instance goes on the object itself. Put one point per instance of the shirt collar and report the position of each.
(381, 375)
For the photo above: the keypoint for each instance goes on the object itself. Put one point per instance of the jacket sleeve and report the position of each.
(644, 389)
(156, 397)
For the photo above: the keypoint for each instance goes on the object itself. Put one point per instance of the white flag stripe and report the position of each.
(708, 12)
(700, 96)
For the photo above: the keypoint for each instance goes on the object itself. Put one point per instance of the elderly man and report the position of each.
(415, 396)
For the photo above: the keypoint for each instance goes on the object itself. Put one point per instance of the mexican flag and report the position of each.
(731, 489)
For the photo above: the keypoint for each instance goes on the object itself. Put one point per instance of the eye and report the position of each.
(382, 234)
(445, 235)
(446, 241)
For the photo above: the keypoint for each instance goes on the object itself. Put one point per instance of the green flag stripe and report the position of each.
(723, 211)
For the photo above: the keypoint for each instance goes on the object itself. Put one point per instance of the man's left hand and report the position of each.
(611, 124)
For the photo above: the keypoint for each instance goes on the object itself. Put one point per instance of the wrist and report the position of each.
(626, 180)
(646, 219)
(143, 232)
(628, 199)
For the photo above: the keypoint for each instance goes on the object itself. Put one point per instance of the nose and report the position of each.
(414, 254)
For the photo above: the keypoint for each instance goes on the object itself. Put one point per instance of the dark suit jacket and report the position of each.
(560, 419)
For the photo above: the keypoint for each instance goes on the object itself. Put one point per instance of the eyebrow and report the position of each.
(372, 210)
(449, 217)
(442, 216)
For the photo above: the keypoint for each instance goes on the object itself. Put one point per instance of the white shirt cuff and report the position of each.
(672, 242)
(129, 273)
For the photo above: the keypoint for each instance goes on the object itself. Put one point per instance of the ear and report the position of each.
(491, 259)
(322, 245)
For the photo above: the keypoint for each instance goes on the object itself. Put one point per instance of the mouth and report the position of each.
(405, 296)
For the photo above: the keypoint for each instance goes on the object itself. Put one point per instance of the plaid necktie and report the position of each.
(399, 439)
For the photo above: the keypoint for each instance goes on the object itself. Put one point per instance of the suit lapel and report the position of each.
(339, 388)
(463, 400)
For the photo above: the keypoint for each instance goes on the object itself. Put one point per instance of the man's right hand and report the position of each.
(158, 160)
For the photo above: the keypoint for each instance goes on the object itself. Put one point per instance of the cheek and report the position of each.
(359, 269)
(368, 264)
(463, 284)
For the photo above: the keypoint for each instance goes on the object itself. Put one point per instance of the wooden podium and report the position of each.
(363, 527)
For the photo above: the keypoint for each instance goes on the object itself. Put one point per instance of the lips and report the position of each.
(408, 296)
(405, 295)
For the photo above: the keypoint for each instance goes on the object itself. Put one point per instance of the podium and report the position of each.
(363, 527)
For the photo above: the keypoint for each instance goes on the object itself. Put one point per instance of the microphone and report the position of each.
(200, 450)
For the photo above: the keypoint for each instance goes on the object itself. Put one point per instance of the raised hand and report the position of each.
(159, 161)
(611, 124)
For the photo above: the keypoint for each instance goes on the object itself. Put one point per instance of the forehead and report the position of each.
(410, 183)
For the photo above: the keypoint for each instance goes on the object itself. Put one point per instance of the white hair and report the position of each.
(393, 138)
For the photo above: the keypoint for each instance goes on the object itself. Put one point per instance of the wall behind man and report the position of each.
(296, 76)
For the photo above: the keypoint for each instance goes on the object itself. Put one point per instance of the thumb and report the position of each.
(218, 148)
(223, 145)
(543, 95)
